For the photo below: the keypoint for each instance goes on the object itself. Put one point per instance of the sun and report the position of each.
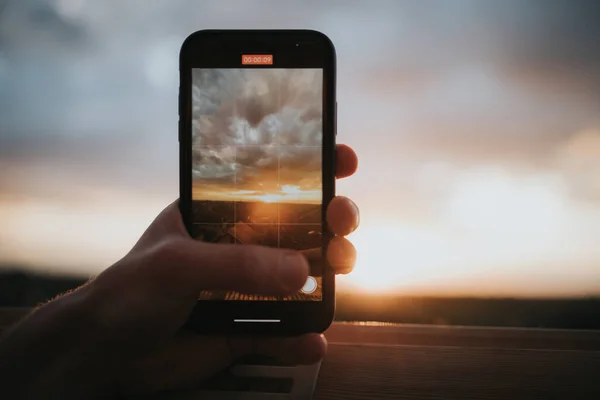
(394, 258)
(270, 198)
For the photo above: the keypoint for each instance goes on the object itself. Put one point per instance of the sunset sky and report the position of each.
(477, 125)
(257, 135)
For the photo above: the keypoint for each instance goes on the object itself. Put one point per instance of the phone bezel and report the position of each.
(290, 49)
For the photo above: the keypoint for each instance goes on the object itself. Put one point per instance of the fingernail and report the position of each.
(293, 271)
(357, 214)
(324, 342)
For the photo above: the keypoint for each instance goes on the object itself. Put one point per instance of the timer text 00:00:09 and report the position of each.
(257, 59)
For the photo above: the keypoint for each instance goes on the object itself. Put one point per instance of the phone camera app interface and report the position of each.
(256, 164)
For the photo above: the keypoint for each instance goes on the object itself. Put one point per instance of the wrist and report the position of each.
(53, 353)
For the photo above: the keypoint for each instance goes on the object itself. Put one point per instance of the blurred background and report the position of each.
(477, 124)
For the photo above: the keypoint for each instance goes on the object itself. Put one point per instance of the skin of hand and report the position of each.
(121, 333)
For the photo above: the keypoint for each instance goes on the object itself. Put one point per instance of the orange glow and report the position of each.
(74, 238)
(391, 258)
(286, 194)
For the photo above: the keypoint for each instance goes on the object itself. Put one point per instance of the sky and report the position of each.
(257, 135)
(476, 122)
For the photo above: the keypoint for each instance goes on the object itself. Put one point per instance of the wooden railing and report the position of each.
(374, 361)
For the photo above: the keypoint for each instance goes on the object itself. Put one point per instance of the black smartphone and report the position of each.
(257, 127)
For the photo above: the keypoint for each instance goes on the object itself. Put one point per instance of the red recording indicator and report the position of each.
(257, 59)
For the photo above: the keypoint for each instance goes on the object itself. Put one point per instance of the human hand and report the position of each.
(121, 332)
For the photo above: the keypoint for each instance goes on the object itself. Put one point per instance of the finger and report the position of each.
(342, 216)
(191, 359)
(315, 258)
(347, 161)
(191, 266)
(341, 255)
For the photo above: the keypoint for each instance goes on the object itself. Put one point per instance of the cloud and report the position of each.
(470, 80)
(467, 82)
(548, 40)
(52, 27)
(476, 81)
(257, 127)
(579, 161)
(257, 107)
(432, 94)
(530, 39)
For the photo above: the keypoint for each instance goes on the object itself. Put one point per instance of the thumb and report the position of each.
(193, 266)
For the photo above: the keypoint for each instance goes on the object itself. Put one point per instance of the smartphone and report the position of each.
(257, 127)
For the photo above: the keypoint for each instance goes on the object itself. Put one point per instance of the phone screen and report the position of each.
(257, 150)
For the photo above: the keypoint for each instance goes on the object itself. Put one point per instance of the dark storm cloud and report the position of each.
(257, 126)
(257, 107)
(214, 164)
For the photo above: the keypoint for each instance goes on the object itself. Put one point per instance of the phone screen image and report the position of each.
(257, 150)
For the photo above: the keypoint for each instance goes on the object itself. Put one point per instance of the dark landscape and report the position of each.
(562, 313)
(294, 226)
(20, 289)
(215, 212)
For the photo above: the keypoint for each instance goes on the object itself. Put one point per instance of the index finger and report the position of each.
(189, 267)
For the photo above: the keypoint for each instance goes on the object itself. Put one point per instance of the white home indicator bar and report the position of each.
(256, 320)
